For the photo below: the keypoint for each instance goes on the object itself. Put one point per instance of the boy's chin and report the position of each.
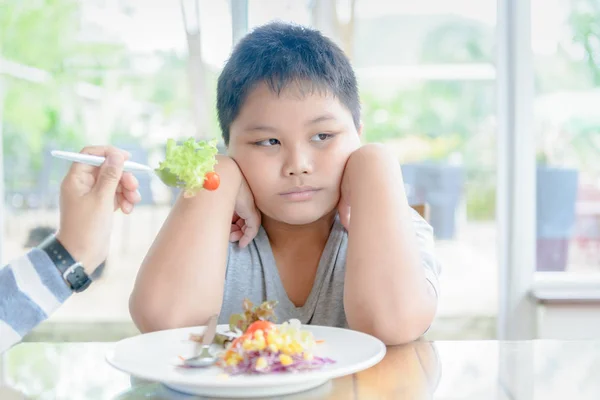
(302, 218)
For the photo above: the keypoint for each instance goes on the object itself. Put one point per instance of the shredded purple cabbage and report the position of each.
(299, 364)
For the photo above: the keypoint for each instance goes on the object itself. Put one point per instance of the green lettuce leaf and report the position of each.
(186, 164)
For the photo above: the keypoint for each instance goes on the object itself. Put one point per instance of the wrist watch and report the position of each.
(71, 270)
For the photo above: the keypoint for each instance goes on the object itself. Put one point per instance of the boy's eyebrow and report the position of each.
(267, 128)
(261, 128)
(321, 118)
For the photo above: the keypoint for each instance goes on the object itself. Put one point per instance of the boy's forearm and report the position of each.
(386, 292)
(181, 280)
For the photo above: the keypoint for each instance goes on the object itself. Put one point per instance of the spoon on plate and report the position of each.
(205, 358)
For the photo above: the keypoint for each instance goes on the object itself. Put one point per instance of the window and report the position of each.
(567, 125)
(428, 90)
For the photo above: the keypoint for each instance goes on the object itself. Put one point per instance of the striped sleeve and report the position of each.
(31, 288)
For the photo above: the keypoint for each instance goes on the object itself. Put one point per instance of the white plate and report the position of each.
(153, 356)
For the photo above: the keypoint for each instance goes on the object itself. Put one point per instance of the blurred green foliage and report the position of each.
(450, 118)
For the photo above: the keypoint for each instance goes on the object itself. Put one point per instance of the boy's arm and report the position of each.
(387, 292)
(31, 288)
(181, 280)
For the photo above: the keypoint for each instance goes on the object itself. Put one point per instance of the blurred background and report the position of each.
(134, 74)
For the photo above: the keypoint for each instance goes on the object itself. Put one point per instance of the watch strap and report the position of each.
(71, 270)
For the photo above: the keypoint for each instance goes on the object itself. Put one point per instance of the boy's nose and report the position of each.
(292, 170)
(297, 164)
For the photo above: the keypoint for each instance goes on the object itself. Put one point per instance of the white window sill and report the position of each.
(564, 287)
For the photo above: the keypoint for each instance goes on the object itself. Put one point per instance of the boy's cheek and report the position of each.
(255, 172)
(260, 188)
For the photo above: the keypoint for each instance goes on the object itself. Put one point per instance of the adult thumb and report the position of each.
(110, 174)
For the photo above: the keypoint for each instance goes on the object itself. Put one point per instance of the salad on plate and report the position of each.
(255, 344)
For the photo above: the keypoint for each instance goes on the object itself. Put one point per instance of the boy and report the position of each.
(289, 112)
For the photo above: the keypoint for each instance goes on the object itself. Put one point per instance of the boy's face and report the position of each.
(292, 148)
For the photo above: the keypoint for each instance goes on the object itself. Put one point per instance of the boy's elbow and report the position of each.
(397, 328)
(139, 314)
(393, 333)
(151, 313)
(147, 317)
(402, 335)
(409, 324)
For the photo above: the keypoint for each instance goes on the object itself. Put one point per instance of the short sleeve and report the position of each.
(426, 243)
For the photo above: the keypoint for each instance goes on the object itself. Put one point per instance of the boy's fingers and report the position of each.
(344, 213)
(249, 235)
(235, 236)
(244, 241)
(250, 229)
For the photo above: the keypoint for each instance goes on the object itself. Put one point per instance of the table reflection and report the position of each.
(411, 371)
(527, 370)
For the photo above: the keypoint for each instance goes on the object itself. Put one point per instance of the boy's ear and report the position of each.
(360, 129)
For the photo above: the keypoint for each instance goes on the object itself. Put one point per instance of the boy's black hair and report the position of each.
(279, 54)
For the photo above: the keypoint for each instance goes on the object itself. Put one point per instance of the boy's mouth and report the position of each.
(300, 193)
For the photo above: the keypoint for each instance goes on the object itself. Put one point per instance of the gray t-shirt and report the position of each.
(252, 273)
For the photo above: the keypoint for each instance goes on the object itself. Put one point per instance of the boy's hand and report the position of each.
(246, 217)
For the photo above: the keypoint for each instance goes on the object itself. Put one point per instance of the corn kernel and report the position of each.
(308, 356)
(285, 359)
(232, 362)
(260, 344)
(247, 345)
(271, 337)
(233, 357)
(259, 333)
(273, 347)
(296, 347)
(261, 363)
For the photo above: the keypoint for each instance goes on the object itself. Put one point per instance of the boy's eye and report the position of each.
(321, 137)
(268, 142)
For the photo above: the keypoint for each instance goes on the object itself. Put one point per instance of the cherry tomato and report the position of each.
(264, 326)
(211, 181)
